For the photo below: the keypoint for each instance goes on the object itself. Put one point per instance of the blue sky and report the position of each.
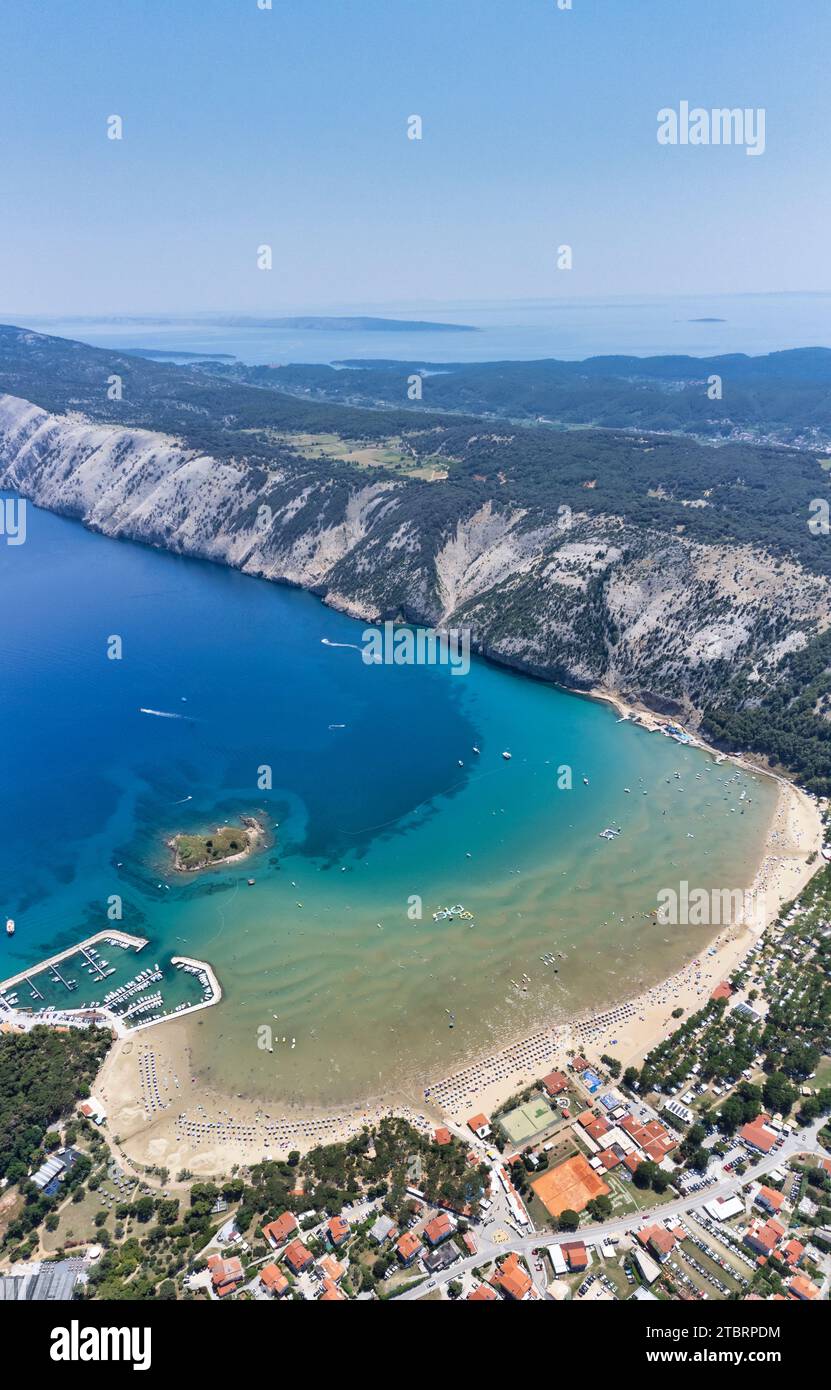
(288, 127)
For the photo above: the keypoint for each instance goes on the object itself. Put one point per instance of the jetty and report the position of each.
(111, 937)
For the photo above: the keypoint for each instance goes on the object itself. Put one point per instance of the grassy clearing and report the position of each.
(390, 453)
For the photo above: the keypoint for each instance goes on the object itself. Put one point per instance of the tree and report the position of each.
(569, 1220)
(778, 1092)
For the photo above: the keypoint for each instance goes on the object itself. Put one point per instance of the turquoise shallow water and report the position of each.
(365, 818)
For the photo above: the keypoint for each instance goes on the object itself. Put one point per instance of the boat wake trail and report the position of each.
(351, 645)
(161, 713)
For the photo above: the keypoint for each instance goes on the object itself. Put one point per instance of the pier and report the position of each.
(121, 938)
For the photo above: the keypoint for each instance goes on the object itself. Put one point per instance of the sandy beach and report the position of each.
(163, 1115)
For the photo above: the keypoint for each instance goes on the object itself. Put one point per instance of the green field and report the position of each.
(388, 453)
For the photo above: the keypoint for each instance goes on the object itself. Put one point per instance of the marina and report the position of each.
(53, 991)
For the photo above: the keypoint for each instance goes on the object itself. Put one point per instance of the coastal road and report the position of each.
(802, 1142)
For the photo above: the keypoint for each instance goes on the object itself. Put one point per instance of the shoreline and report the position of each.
(209, 1136)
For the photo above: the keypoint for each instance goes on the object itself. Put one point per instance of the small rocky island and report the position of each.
(225, 845)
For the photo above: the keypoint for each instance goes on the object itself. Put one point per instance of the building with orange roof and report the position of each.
(792, 1252)
(439, 1228)
(274, 1281)
(757, 1135)
(722, 991)
(658, 1241)
(298, 1257)
(763, 1238)
(226, 1275)
(409, 1248)
(651, 1137)
(512, 1279)
(802, 1287)
(279, 1231)
(579, 1064)
(337, 1229)
(576, 1255)
(555, 1083)
(483, 1293)
(332, 1268)
(770, 1199)
(479, 1125)
(594, 1127)
(442, 1135)
(469, 1242)
(330, 1293)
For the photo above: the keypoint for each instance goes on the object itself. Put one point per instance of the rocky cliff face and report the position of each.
(588, 600)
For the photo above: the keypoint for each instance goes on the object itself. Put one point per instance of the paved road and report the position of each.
(801, 1142)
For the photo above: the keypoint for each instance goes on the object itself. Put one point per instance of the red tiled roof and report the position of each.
(575, 1253)
(722, 991)
(755, 1134)
(511, 1278)
(652, 1137)
(483, 1293)
(439, 1228)
(225, 1274)
(765, 1237)
(555, 1082)
(802, 1287)
(477, 1122)
(297, 1256)
(770, 1197)
(443, 1135)
(279, 1231)
(658, 1239)
(332, 1268)
(273, 1279)
(408, 1244)
(338, 1229)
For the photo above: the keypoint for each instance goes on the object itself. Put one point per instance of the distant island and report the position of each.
(352, 325)
(225, 845)
(706, 320)
(343, 324)
(164, 353)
